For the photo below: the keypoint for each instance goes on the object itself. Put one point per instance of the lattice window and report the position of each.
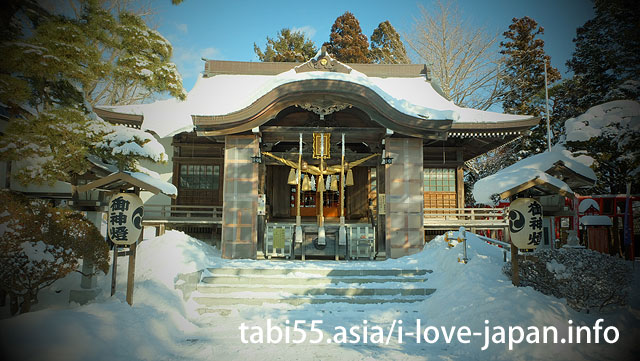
(439, 180)
(199, 176)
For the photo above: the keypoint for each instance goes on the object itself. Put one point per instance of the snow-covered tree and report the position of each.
(346, 42)
(524, 68)
(606, 56)
(289, 45)
(386, 46)
(609, 133)
(524, 80)
(39, 245)
(57, 68)
(462, 58)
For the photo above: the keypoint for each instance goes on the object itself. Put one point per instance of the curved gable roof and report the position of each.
(221, 103)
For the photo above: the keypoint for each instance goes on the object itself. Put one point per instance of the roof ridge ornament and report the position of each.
(323, 108)
(323, 62)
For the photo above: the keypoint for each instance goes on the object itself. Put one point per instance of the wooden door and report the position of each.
(598, 239)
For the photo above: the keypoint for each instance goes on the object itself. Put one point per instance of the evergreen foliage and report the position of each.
(346, 42)
(55, 68)
(524, 68)
(523, 93)
(40, 244)
(288, 46)
(386, 46)
(605, 56)
(525, 81)
(606, 68)
(609, 133)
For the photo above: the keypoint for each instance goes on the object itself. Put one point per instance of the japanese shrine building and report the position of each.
(234, 143)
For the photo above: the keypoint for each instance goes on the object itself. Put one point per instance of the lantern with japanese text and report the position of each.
(525, 223)
(125, 218)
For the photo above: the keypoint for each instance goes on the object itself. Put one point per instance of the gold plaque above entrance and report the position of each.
(317, 140)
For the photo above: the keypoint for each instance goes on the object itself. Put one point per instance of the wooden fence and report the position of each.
(162, 214)
(453, 218)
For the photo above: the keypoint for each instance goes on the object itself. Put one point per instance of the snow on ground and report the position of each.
(161, 326)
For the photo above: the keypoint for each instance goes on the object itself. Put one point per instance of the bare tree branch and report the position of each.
(463, 59)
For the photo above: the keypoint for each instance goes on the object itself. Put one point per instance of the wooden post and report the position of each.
(298, 231)
(321, 180)
(262, 187)
(515, 276)
(342, 184)
(131, 272)
(114, 269)
(132, 262)
(299, 185)
(342, 231)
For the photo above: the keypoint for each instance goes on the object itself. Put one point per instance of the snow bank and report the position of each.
(163, 258)
(157, 327)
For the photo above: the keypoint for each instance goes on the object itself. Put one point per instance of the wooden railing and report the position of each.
(487, 218)
(182, 214)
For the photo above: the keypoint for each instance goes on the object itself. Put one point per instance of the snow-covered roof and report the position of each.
(165, 187)
(510, 178)
(143, 181)
(587, 203)
(224, 94)
(595, 221)
(528, 169)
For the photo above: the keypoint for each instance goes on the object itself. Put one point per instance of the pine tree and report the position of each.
(606, 68)
(386, 46)
(524, 68)
(60, 69)
(288, 46)
(609, 133)
(346, 42)
(606, 55)
(524, 78)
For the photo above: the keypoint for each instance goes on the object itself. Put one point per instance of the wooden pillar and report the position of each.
(459, 181)
(262, 189)
(404, 197)
(380, 186)
(240, 197)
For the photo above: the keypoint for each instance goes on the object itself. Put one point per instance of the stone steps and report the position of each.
(220, 288)
(314, 291)
(316, 271)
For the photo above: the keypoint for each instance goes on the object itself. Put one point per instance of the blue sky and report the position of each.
(226, 30)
